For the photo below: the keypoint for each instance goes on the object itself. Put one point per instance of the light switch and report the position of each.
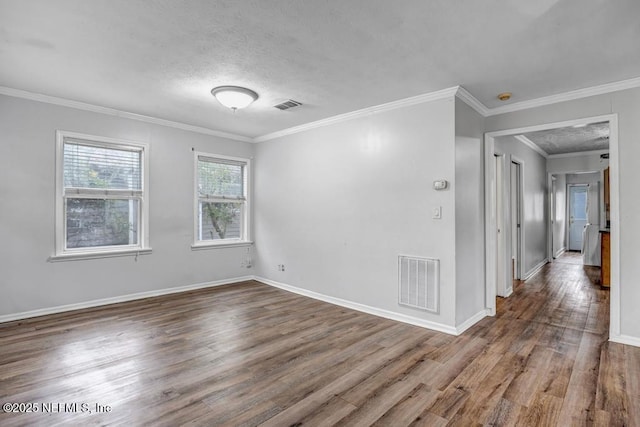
(436, 213)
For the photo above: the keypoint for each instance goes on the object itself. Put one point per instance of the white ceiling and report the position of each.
(161, 58)
(572, 139)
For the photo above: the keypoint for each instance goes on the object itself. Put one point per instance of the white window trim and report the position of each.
(245, 240)
(64, 254)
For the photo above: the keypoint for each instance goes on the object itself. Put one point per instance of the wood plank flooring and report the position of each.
(249, 354)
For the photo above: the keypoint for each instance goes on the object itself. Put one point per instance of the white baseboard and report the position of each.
(364, 308)
(560, 252)
(625, 339)
(535, 269)
(114, 300)
(472, 321)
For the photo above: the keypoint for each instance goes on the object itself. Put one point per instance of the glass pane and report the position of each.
(579, 203)
(97, 222)
(220, 220)
(98, 167)
(220, 179)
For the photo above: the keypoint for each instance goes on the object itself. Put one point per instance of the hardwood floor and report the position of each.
(249, 354)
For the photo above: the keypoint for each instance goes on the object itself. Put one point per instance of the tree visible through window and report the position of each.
(221, 194)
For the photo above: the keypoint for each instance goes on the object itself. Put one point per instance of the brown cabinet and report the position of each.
(605, 258)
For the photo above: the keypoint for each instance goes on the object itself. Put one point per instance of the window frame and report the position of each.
(63, 253)
(245, 223)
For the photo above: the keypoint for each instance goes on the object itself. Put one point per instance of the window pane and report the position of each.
(220, 220)
(220, 179)
(98, 167)
(97, 222)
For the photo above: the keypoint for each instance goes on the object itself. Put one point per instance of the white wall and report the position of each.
(534, 209)
(337, 205)
(469, 195)
(27, 195)
(577, 163)
(626, 104)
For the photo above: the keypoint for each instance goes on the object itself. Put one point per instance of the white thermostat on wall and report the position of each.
(440, 185)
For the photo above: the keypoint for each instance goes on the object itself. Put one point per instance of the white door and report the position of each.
(578, 201)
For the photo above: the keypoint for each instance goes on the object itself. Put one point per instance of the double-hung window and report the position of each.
(221, 200)
(101, 206)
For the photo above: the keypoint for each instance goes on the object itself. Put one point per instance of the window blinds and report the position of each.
(90, 166)
(220, 178)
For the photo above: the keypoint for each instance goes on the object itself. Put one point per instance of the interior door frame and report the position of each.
(520, 272)
(490, 214)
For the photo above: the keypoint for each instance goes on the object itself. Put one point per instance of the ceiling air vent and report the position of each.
(288, 104)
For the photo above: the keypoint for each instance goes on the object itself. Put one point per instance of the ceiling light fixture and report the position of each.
(504, 96)
(234, 97)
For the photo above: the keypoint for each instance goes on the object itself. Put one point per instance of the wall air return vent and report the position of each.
(419, 282)
(288, 104)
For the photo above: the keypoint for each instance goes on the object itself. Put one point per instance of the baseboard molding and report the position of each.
(472, 321)
(625, 339)
(363, 308)
(560, 252)
(535, 269)
(114, 300)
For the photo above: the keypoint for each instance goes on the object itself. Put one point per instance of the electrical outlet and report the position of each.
(436, 213)
(280, 267)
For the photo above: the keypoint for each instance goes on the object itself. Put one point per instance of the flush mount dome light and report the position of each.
(234, 97)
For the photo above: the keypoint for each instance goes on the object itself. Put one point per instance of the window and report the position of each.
(221, 202)
(101, 205)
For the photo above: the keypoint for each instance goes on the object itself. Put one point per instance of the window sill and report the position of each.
(98, 254)
(237, 244)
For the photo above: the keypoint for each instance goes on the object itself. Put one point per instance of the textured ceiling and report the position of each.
(161, 58)
(572, 139)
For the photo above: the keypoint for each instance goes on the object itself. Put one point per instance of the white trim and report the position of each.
(363, 308)
(614, 185)
(17, 93)
(414, 100)
(70, 256)
(566, 96)
(521, 203)
(560, 252)
(245, 230)
(60, 246)
(625, 339)
(535, 269)
(472, 321)
(554, 125)
(119, 299)
(224, 244)
(529, 143)
(472, 101)
(578, 154)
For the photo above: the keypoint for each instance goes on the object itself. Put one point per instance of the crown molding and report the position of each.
(17, 93)
(465, 96)
(526, 141)
(567, 96)
(414, 100)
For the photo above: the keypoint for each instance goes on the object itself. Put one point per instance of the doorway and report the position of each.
(516, 196)
(491, 240)
(578, 202)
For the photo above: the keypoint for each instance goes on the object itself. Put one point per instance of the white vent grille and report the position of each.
(419, 282)
(288, 104)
